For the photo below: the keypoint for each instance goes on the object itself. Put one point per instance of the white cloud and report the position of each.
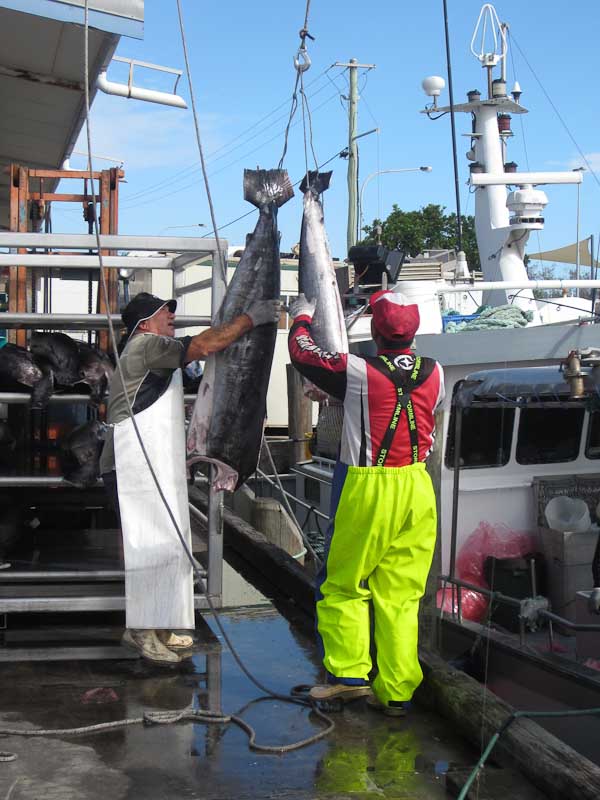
(147, 136)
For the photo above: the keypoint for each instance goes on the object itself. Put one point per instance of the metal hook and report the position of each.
(304, 64)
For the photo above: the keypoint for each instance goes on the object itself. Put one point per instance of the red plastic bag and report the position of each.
(473, 605)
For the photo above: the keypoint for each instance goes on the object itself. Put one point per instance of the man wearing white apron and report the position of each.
(159, 586)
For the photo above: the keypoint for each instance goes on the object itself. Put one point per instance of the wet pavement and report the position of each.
(368, 755)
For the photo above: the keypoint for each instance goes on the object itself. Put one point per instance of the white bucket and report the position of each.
(567, 514)
(423, 293)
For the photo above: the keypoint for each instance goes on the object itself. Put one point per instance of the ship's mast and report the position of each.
(503, 221)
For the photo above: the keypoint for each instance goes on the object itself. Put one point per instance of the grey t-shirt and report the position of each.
(148, 362)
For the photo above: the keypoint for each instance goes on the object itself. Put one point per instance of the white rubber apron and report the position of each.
(159, 587)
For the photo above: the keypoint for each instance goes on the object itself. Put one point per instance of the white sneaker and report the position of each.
(147, 643)
(175, 641)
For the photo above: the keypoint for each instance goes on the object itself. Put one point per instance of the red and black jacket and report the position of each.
(389, 399)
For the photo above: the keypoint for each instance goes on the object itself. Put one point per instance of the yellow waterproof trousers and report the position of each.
(381, 548)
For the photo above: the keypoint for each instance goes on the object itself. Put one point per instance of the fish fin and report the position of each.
(317, 182)
(43, 389)
(264, 186)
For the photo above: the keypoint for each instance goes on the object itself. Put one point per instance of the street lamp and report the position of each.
(382, 172)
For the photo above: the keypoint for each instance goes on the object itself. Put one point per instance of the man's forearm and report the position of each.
(218, 338)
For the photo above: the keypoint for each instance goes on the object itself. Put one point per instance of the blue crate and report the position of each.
(458, 318)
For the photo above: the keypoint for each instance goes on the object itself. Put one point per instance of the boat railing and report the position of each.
(530, 609)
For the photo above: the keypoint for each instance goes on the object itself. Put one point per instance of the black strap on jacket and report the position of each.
(404, 386)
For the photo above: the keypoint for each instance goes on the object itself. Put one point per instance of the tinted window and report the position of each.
(485, 438)
(549, 435)
(592, 448)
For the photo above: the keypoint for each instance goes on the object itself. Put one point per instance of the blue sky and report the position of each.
(241, 59)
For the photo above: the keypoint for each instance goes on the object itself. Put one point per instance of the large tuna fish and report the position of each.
(317, 276)
(60, 352)
(73, 362)
(227, 423)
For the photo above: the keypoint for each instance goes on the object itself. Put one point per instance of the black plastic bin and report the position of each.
(513, 577)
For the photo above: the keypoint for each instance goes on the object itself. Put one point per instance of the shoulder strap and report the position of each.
(404, 388)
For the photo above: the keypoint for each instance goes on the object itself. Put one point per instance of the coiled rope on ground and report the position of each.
(189, 714)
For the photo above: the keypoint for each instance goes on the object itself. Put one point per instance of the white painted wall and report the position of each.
(499, 495)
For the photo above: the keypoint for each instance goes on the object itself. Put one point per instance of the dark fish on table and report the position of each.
(95, 369)
(73, 361)
(316, 274)
(227, 423)
(79, 453)
(61, 354)
(18, 368)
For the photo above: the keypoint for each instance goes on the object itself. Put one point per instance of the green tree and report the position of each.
(427, 229)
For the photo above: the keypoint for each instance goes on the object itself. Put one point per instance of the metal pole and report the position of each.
(593, 270)
(299, 414)
(577, 264)
(214, 582)
(374, 175)
(453, 128)
(352, 153)
(457, 440)
(215, 499)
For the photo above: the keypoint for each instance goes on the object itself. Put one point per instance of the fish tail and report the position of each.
(265, 186)
(317, 182)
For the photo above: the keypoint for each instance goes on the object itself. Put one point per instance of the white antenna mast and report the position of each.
(492, 41)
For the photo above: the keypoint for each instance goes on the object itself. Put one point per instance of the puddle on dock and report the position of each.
(368, 754)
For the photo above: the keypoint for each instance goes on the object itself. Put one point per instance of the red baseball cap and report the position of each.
(392, 318)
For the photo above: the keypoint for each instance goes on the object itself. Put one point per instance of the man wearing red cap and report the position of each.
(383, 517)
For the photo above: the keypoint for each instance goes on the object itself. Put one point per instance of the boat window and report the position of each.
(592, 447)
(549, 435)
(485, 439)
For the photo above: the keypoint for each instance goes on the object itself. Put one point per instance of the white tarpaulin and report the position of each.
(568, 254)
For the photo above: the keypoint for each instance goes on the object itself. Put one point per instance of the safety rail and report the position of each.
(515, 603)
(83, 322)
(23, 590)
(22, 398)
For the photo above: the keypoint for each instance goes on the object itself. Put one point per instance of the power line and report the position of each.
(126, 207)
(339, 154)
(211, 156)
(558, 114)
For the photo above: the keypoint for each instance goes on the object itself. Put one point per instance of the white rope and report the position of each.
(222, 261)
(195, 565)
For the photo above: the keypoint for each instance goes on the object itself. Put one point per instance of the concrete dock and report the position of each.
(368, 754)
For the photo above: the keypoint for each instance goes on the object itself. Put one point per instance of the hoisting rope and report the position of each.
(213, 219)
(196, 715)
(302, 63)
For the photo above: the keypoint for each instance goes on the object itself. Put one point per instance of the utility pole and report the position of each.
(353, 66)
